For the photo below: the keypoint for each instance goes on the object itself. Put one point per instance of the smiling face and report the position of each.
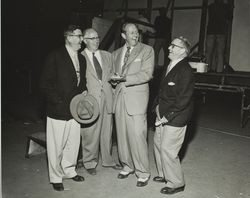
(91, 39)
(74, 39)
(176, 50)
(130, 34)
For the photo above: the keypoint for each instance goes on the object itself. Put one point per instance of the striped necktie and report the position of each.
(125, 60)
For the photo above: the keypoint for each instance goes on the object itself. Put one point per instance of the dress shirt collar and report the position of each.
(125, 48)
(172, 64)
(90, 54)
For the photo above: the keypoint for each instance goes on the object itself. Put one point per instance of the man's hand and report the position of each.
(164, 120)
(116, 79)
(159, 121)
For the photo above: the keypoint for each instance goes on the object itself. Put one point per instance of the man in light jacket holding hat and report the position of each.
(63, 77)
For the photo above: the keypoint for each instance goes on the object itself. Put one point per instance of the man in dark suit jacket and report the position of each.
(173, 110)
(63, 77)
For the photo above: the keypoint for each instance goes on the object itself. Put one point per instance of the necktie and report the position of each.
(77, 67)
(98, 67)
(125, 60)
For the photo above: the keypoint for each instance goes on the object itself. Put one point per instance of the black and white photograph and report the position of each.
(125, 99)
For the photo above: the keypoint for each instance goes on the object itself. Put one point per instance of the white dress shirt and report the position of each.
(90, 56)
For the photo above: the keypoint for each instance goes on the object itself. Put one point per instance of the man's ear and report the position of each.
(184, 51)
(68, 38)
(123, 35)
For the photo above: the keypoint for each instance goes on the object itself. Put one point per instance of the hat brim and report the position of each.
(73, 108)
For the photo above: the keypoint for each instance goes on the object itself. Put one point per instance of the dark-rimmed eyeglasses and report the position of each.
(173, 45)
(76, 35)
(92, 38)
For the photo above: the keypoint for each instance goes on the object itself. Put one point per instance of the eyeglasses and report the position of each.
(79, 36)
(173, 45)
(93, 38)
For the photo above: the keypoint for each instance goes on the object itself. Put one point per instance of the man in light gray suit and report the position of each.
(133, 68)
(98, 72)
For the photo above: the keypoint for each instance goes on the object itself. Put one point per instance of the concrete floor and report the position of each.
(216, 160)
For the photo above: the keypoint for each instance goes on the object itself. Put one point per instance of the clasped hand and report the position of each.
(116, 79)
(159, 121)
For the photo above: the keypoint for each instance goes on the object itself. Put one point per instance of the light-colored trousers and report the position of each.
(63, 140)
(167, 144)
(98, 133)
(132, 140)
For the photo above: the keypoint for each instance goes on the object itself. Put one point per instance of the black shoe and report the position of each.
(122, 176)
(159, 179)
(58, 186)
(91, 171)
(170, 191)
(78, 178)
(142, 183)
(115, 167)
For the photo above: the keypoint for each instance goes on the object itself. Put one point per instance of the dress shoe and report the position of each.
(159, 179)
(123, 175)
(170, 191)
(115, 167)
(78, 178)
(58, 186)
(142, 182)
(91, 171)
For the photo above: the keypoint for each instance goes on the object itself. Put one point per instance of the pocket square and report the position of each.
(171, 83)
(137, 60)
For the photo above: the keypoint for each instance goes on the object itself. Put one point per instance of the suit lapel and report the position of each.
(90, 66)
(104, 65)
(118, 61)
(134, 53)
(172, 71)
(68, 61)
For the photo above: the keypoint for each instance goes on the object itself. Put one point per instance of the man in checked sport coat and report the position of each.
(99, 132)
(133, 68)
(63, 77)
(173, 110)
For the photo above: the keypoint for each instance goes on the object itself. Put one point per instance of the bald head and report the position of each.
(89, 31)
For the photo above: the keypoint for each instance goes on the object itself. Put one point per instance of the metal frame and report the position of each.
(223, 87)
